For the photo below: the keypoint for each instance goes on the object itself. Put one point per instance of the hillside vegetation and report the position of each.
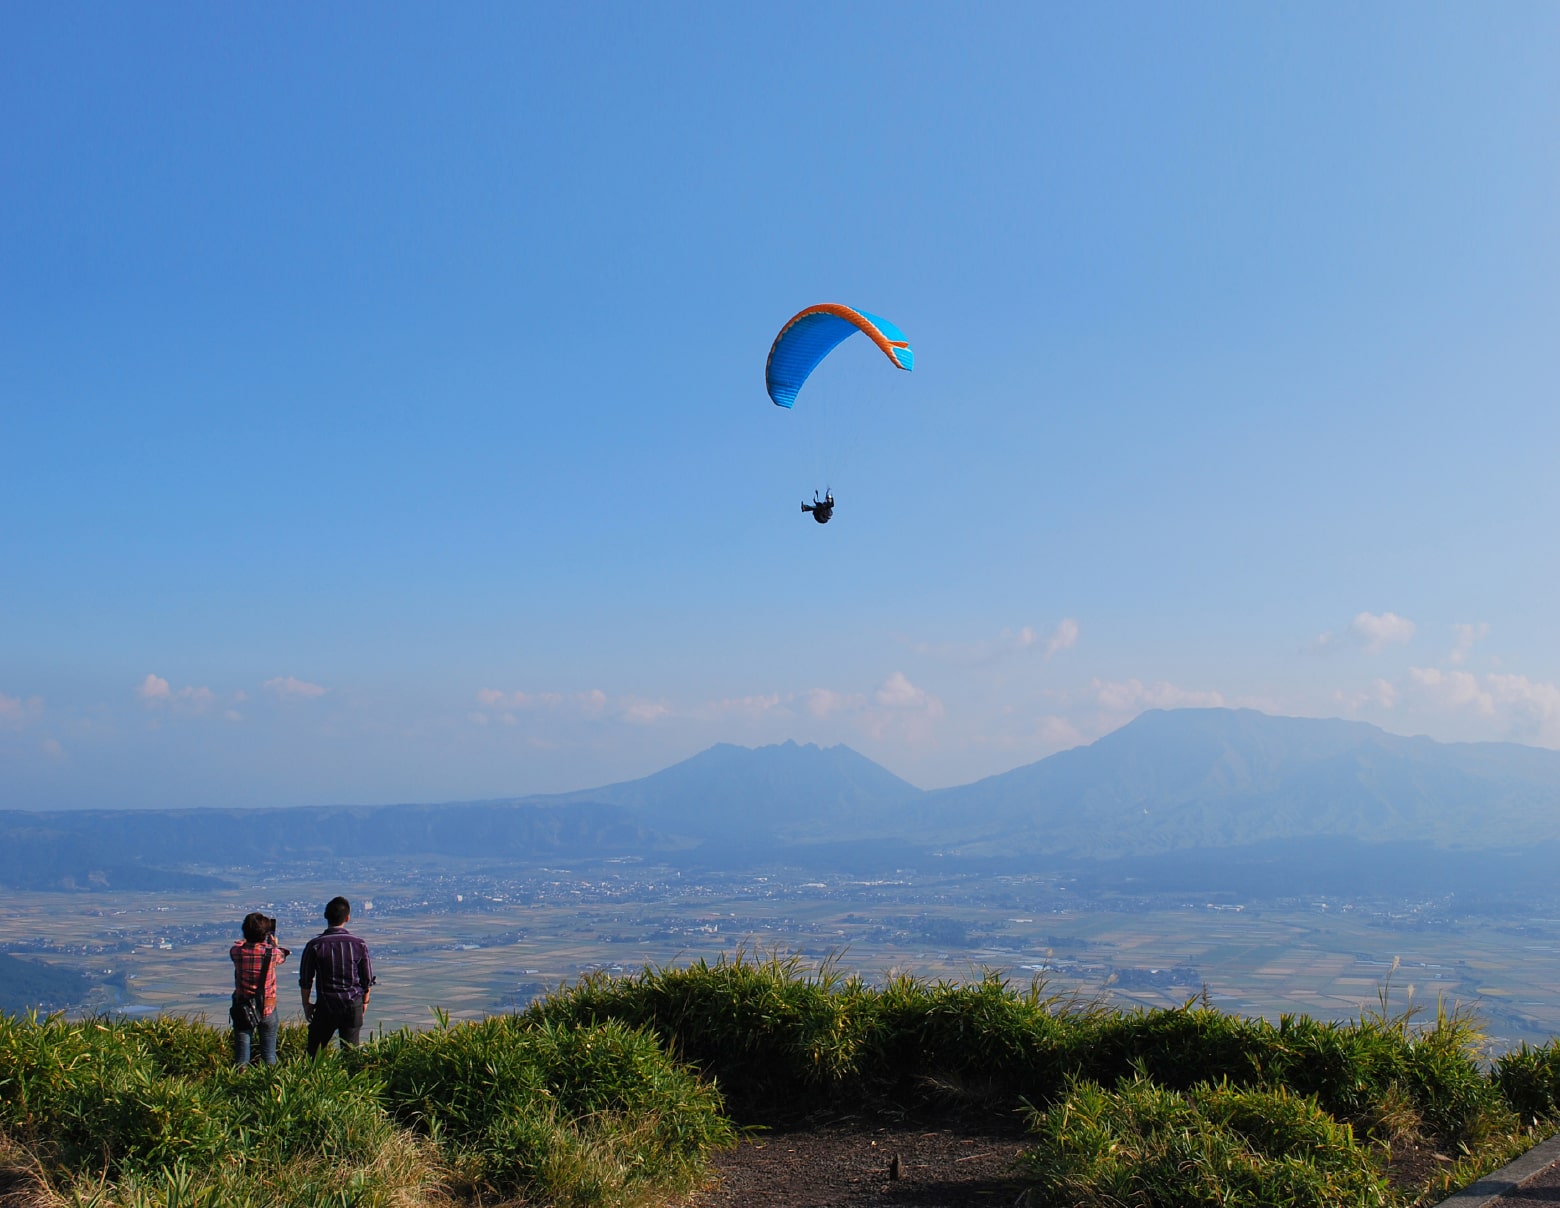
(615, 1092)
(25, 985)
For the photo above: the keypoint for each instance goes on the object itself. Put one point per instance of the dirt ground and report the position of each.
(852, 1163)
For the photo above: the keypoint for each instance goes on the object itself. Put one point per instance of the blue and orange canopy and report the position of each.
(814, 333)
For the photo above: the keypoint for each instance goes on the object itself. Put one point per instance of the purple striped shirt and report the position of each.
(339, 962)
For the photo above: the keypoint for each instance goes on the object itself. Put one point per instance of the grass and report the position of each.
(1529, 1078)
(575, 1115)
(782, 1040)
(149, 1114)
(1143, 1145)
(613, 1092)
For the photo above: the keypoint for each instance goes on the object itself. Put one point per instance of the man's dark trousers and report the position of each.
(332, 1017)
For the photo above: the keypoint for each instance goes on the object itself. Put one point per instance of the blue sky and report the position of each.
(382, 413)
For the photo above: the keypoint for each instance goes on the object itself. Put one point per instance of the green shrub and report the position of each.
(780, 1041)
(1146, 1146)
(978, 1042)
(1349, 1067)
(1529, 1079)
(580, 1100)
(154, 1109)
(151, 1113)
(576, 1114)
(765, 1031)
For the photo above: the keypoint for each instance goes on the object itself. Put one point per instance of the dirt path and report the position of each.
(1542, 1189)
(851, 1164)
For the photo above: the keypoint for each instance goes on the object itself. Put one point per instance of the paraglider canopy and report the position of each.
(813, 334)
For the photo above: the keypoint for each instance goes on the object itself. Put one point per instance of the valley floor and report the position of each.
(478, 940)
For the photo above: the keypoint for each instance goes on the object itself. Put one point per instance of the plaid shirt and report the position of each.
(339, 960)
(247, 959)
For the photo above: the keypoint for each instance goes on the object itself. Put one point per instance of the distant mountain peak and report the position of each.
(789, 788)
(1212, 777)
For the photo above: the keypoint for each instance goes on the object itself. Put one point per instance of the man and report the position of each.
(253, 1012)
(821, 509)
(338, 961)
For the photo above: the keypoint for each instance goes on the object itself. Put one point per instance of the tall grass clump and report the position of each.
(149, 1114)
(769, 1031)
(568, 1114)
(1351, 1068)
(972, 1044)
(780, 1039)
(612, 1092)
(149, 1111)
(1143, 1145)
(1529, 1078)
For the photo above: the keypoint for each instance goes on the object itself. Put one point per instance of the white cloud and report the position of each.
(1523, 709)
(1508, 706)
(1064, 637)
(590, 704)
(645, 712)
(1379, 632)
(745, 706)
(14, 710)
(822, 702)
(1007, 643)
(1128, 696)
(1534, 706)
(156, 693)
(903, 708)
(1381, 694)
(1468, 635)
(1371, 632)
(897, 692)
(1059, 732)
(286, 687)
(52, 749)
(1453, 689)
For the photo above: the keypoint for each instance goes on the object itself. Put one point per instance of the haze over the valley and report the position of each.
(1207, 786)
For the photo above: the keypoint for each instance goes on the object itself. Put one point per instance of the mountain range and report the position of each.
(1181, 784)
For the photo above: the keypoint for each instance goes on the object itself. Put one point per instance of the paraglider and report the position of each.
(802, 345)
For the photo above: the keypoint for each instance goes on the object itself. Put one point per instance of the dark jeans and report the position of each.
(333, 1017)
(243, 1040)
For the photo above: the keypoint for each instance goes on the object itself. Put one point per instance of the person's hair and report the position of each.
(337, 911)
(257, 926)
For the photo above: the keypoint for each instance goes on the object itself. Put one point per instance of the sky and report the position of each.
(382, 413)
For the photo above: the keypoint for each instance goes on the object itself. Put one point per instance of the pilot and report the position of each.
(821, 509)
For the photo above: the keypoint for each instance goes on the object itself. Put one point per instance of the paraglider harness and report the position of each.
(821, 509)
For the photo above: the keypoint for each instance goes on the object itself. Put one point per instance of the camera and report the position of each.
(261, 929)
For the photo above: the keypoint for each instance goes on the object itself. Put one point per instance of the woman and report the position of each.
(255, 958)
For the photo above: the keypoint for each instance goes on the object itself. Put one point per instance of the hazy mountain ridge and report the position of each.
(1197, 778)
(1181, 781)
(787, 790)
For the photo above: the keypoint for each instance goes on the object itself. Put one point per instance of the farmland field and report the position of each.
(475, 940)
